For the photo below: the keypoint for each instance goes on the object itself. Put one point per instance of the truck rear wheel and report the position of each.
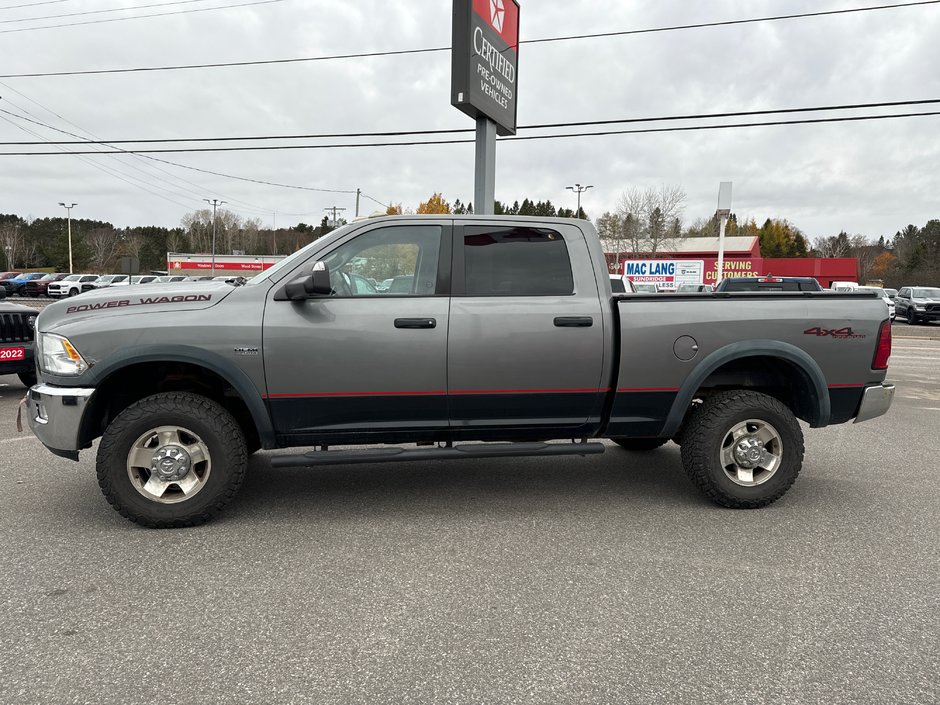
(743, 449)
(171, 460)
(640, 444)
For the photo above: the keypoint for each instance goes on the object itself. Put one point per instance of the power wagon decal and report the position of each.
(143, 301)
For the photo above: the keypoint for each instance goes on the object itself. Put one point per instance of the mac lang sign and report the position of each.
(485, 59)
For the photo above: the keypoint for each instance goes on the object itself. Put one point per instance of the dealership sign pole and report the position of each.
(484, 82)
(724, 212)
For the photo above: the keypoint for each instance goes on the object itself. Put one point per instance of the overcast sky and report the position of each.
(865, 177)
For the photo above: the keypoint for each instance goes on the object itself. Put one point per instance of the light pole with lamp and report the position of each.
(215, 204)
(68, 209)
(578, 189)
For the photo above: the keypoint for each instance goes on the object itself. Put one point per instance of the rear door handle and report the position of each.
(415, 323)
(574, 322)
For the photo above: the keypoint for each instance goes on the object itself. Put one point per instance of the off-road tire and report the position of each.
(27, 377)
(705, 431)
(640, 444)
(911, 317)
(213, 424)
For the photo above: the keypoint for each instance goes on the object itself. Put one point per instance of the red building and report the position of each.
(695, 261)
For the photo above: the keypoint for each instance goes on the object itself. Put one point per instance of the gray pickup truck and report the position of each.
(497, 337)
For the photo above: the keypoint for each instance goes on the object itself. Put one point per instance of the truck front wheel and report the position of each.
(171, 460)
(743, 449)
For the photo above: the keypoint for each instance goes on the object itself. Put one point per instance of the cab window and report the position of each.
(394, 261)
(515, 261)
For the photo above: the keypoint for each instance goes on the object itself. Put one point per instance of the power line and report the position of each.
(34, 4)
(191, 168)
(141, 158)
(399, 52)
(100, 12)
(410, 133)
(692, 128)
(138, 17)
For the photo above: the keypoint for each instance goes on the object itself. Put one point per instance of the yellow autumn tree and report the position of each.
(434, 205)
(393, 209)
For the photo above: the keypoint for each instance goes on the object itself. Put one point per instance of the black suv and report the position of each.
(769, 283)
(17, 325)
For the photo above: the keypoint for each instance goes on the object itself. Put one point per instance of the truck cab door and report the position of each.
(367, 363)
(526, 344)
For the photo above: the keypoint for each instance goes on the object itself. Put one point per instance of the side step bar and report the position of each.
(393, 455)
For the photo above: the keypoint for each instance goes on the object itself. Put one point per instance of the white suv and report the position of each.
(72, 284)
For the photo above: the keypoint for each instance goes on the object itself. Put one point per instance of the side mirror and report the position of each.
(315, 284)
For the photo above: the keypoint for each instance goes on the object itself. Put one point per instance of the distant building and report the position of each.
(694, 260)
(201, 264)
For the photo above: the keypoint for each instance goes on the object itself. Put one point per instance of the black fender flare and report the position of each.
(745, 349)
(200, 357)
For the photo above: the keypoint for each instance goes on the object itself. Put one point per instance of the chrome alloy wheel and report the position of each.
(168, 464)
(751, 452)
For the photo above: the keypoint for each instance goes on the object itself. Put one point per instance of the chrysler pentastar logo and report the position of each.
(497, 14)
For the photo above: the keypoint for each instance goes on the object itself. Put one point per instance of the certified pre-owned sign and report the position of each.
(484, 65)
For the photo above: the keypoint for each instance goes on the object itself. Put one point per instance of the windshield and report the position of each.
(289, 263)
(105, 280)
(926, 294)
(72, 278)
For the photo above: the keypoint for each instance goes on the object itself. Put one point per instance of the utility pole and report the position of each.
(68, 209)
(333, 209)
(358, 191)
(215, 204)
(578, 189)
(274, 233)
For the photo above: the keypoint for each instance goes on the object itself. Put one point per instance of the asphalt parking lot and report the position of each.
(589, 580)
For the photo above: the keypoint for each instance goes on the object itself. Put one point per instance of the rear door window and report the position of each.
(515, 261)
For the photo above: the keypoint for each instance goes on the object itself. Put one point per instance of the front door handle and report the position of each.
(574, 322)
(415, 323)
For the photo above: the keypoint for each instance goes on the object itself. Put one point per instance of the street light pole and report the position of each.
(578, 189)
(68, 209)
(215, 204)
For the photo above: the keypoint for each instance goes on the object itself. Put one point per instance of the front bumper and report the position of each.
(55, 416)
(875, 402)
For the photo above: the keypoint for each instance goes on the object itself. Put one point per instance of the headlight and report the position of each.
(58, 356)
(919, 307)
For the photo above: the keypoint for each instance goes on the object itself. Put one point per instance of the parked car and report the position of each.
(17, 330)
(768, 283)
(183, 384)
(645, 288)
(694, 288)
(892, 293)
(108, 280)
(843, 286)
(884, 296)
(14, 285)
(8, 275)
(621, 285)
(918, 304)
(40, 287)
(144, 279)
(170, 278)
(72, 285)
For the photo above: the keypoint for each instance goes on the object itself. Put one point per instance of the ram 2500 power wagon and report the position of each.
(498, 337)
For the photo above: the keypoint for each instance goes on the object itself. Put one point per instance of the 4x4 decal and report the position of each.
(840, 333)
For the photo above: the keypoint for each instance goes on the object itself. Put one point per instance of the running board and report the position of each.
(393, 455)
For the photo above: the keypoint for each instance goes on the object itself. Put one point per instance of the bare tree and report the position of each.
(103, 243)
(11, 240)
(651, 219)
